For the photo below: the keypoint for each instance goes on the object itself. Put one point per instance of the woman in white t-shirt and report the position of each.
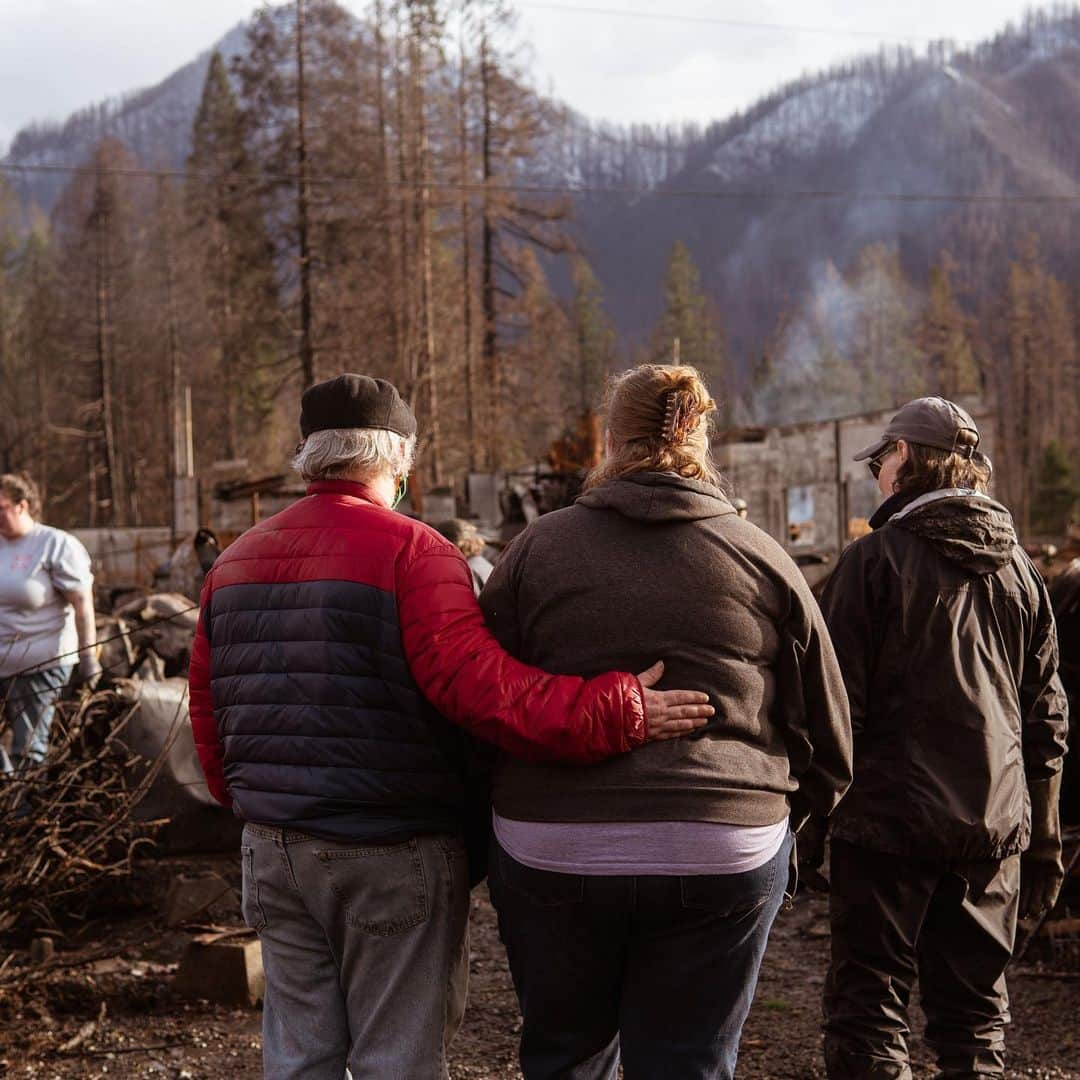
(46, 619)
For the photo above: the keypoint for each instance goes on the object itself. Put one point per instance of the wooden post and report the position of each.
(185, 487)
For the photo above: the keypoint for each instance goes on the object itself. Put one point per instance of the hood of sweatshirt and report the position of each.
(968, 528)
(658, 498)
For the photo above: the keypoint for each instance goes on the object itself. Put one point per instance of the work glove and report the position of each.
(89, 670)
(1041, 869)
(810, 847)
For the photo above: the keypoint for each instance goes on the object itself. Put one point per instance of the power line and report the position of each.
(140, 629)
(712, 20)
(580, 190)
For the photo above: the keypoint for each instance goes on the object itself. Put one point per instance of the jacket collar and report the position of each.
(658, 497)
(903, 503)
(892, 505)
(346, 487)
(935, 496)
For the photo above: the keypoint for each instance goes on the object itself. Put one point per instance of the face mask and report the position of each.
(400, 492)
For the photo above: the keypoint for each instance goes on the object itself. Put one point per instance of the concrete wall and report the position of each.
(802, 486)
(125, 557)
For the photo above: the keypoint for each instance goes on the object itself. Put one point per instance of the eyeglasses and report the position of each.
(875, 463)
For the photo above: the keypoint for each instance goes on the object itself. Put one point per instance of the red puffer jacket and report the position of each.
(333, 638)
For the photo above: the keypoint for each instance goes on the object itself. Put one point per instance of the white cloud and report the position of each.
(58, 55)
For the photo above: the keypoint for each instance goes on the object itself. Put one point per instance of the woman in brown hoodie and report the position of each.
(635, 897)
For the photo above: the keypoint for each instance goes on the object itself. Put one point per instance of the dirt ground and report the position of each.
(108, 997)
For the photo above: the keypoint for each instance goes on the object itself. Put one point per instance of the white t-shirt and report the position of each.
(37, 624)
(638, 848)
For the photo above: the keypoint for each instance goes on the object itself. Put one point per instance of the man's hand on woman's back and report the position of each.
(672, 713)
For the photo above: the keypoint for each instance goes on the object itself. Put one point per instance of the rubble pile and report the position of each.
(121, 777)
(67, 826)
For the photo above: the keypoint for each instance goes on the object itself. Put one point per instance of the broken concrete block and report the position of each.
(225, 968)
(191, 894)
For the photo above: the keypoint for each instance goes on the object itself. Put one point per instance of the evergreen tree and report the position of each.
(300, 97)
(943, 338)
(689, 330)
(538, 330)
(10, 317)
(593, 357)
(33, 283)
(508, 121)
(1055, 492)
(883, 351)
(97, 229)
(235, 279)
(1036, 377)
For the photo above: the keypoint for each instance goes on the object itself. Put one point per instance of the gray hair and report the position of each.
(339, 453)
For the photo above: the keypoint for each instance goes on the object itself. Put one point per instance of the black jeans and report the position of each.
(895, 919)
(662, 969)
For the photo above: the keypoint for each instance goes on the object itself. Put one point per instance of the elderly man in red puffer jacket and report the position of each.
(337, 641)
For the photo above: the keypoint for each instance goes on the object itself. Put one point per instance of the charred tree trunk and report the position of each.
(427, 365)
(38, 362)
(172, 342)
(226, 339)
(489, 349)
(104, 344)
(391, 291)
(410, 374)
(466, 262)
(303, 208)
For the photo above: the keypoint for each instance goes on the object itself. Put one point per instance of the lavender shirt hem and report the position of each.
(668, 848)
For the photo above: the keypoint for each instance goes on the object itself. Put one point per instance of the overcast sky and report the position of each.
(58, 55)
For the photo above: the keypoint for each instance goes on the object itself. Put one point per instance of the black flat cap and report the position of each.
(355, 401)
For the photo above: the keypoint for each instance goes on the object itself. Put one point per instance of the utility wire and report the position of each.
(578, 190)
(712, 20)
(141, 629)
(45, 781)
(12, 701)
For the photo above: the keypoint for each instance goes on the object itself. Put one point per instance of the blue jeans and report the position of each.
(28, 703)
(365, 948)
(659, 970)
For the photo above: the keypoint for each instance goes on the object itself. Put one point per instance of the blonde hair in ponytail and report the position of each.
(657, 421)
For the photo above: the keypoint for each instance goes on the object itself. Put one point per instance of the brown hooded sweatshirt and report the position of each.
(654, 566)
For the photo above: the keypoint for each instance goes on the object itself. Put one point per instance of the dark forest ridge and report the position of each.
(999, 118)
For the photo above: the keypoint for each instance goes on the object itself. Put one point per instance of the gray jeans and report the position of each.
(365, 949)
(28, 704)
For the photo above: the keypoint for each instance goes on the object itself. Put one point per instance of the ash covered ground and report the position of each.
(104, 1004)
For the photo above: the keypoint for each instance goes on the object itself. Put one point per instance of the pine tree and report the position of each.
(96, 221)
(1036, 376)
(510, 120)
(690, 331)
(943, 338)
(530, 374)
(11, 300)
(883, 350)
(35, 346)
(593, 357)
(1055, 491)
(236, 279)
(299, 93)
